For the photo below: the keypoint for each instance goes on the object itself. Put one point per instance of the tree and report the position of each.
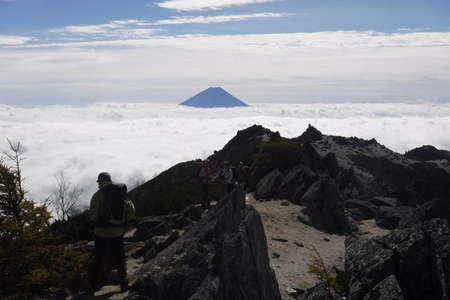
(12, 193)
(31, 258)
(65, 198)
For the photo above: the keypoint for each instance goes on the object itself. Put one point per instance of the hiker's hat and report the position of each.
(104, 177)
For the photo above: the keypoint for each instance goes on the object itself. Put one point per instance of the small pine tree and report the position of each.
(31, 258)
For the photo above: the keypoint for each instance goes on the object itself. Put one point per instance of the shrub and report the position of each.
(335, 279)
(278, 153)
(33, 259)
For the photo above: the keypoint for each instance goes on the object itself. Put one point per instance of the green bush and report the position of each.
(278, 153)
(33, 259)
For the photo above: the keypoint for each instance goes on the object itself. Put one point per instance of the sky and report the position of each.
(135, 141)
(274, 51)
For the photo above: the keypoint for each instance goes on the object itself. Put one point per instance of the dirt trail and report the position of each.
(290, 244)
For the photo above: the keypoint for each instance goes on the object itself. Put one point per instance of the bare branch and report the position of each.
(65, 197)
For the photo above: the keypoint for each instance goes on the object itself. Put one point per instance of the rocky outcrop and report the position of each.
(224, 256)
(244, 145)
(310, 135)
(390, 217)
(360, 209)
(388, 289)
(324, 207)
(267, 186)
(331, 164)
(437, 208)
(418, 258)
(296, 182)
(427, 153)
(171, 191)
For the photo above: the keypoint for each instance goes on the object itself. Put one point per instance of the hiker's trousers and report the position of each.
(109, 254)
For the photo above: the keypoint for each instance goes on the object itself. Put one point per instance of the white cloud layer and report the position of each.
(325, 66)
(135, 140)
(10, 40)
(186, 5)
(214, 19)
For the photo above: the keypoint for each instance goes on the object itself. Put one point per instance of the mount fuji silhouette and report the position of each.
(213, 97)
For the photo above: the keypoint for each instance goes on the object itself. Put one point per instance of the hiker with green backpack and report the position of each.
(110, 210)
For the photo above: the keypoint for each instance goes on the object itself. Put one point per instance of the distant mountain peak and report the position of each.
(213, 97)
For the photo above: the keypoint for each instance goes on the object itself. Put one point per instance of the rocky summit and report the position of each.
(313, 217)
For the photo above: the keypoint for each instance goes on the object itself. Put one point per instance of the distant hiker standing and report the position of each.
(241, 174)
(228, 177)
(205, 176)
(110, 209)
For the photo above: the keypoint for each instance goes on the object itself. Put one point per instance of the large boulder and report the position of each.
(384, 201)
(171, 191)
(418, 257)
(361, 209)
(426, 153)
(388, 289)
(390, 217)
(437, 208)
(324, 207)
(267, 186)
(296, 182)
(224, 256)
(331, 164)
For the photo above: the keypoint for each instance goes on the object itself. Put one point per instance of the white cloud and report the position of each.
(214, 19)
(133, 141)
(186, 5)
(14, 40)
(326, 66)
(95, 29)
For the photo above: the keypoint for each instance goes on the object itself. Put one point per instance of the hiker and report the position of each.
(227, 176)
(205, 176)
(110, 209)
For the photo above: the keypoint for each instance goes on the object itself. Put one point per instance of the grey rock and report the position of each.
(389, 217)
(223, 256)
(418, 256)
(331, 164)
(388, 289)
(361, 209)
(384, 201)
(193, 212)
(324, 207)
(318, 292)
(296, 182)
(144, 233)
(437, 208)
(267, 186)
(310, 135)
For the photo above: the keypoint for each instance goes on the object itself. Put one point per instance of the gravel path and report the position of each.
(290, 243)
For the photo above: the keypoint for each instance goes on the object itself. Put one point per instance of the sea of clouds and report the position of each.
(135, 141)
